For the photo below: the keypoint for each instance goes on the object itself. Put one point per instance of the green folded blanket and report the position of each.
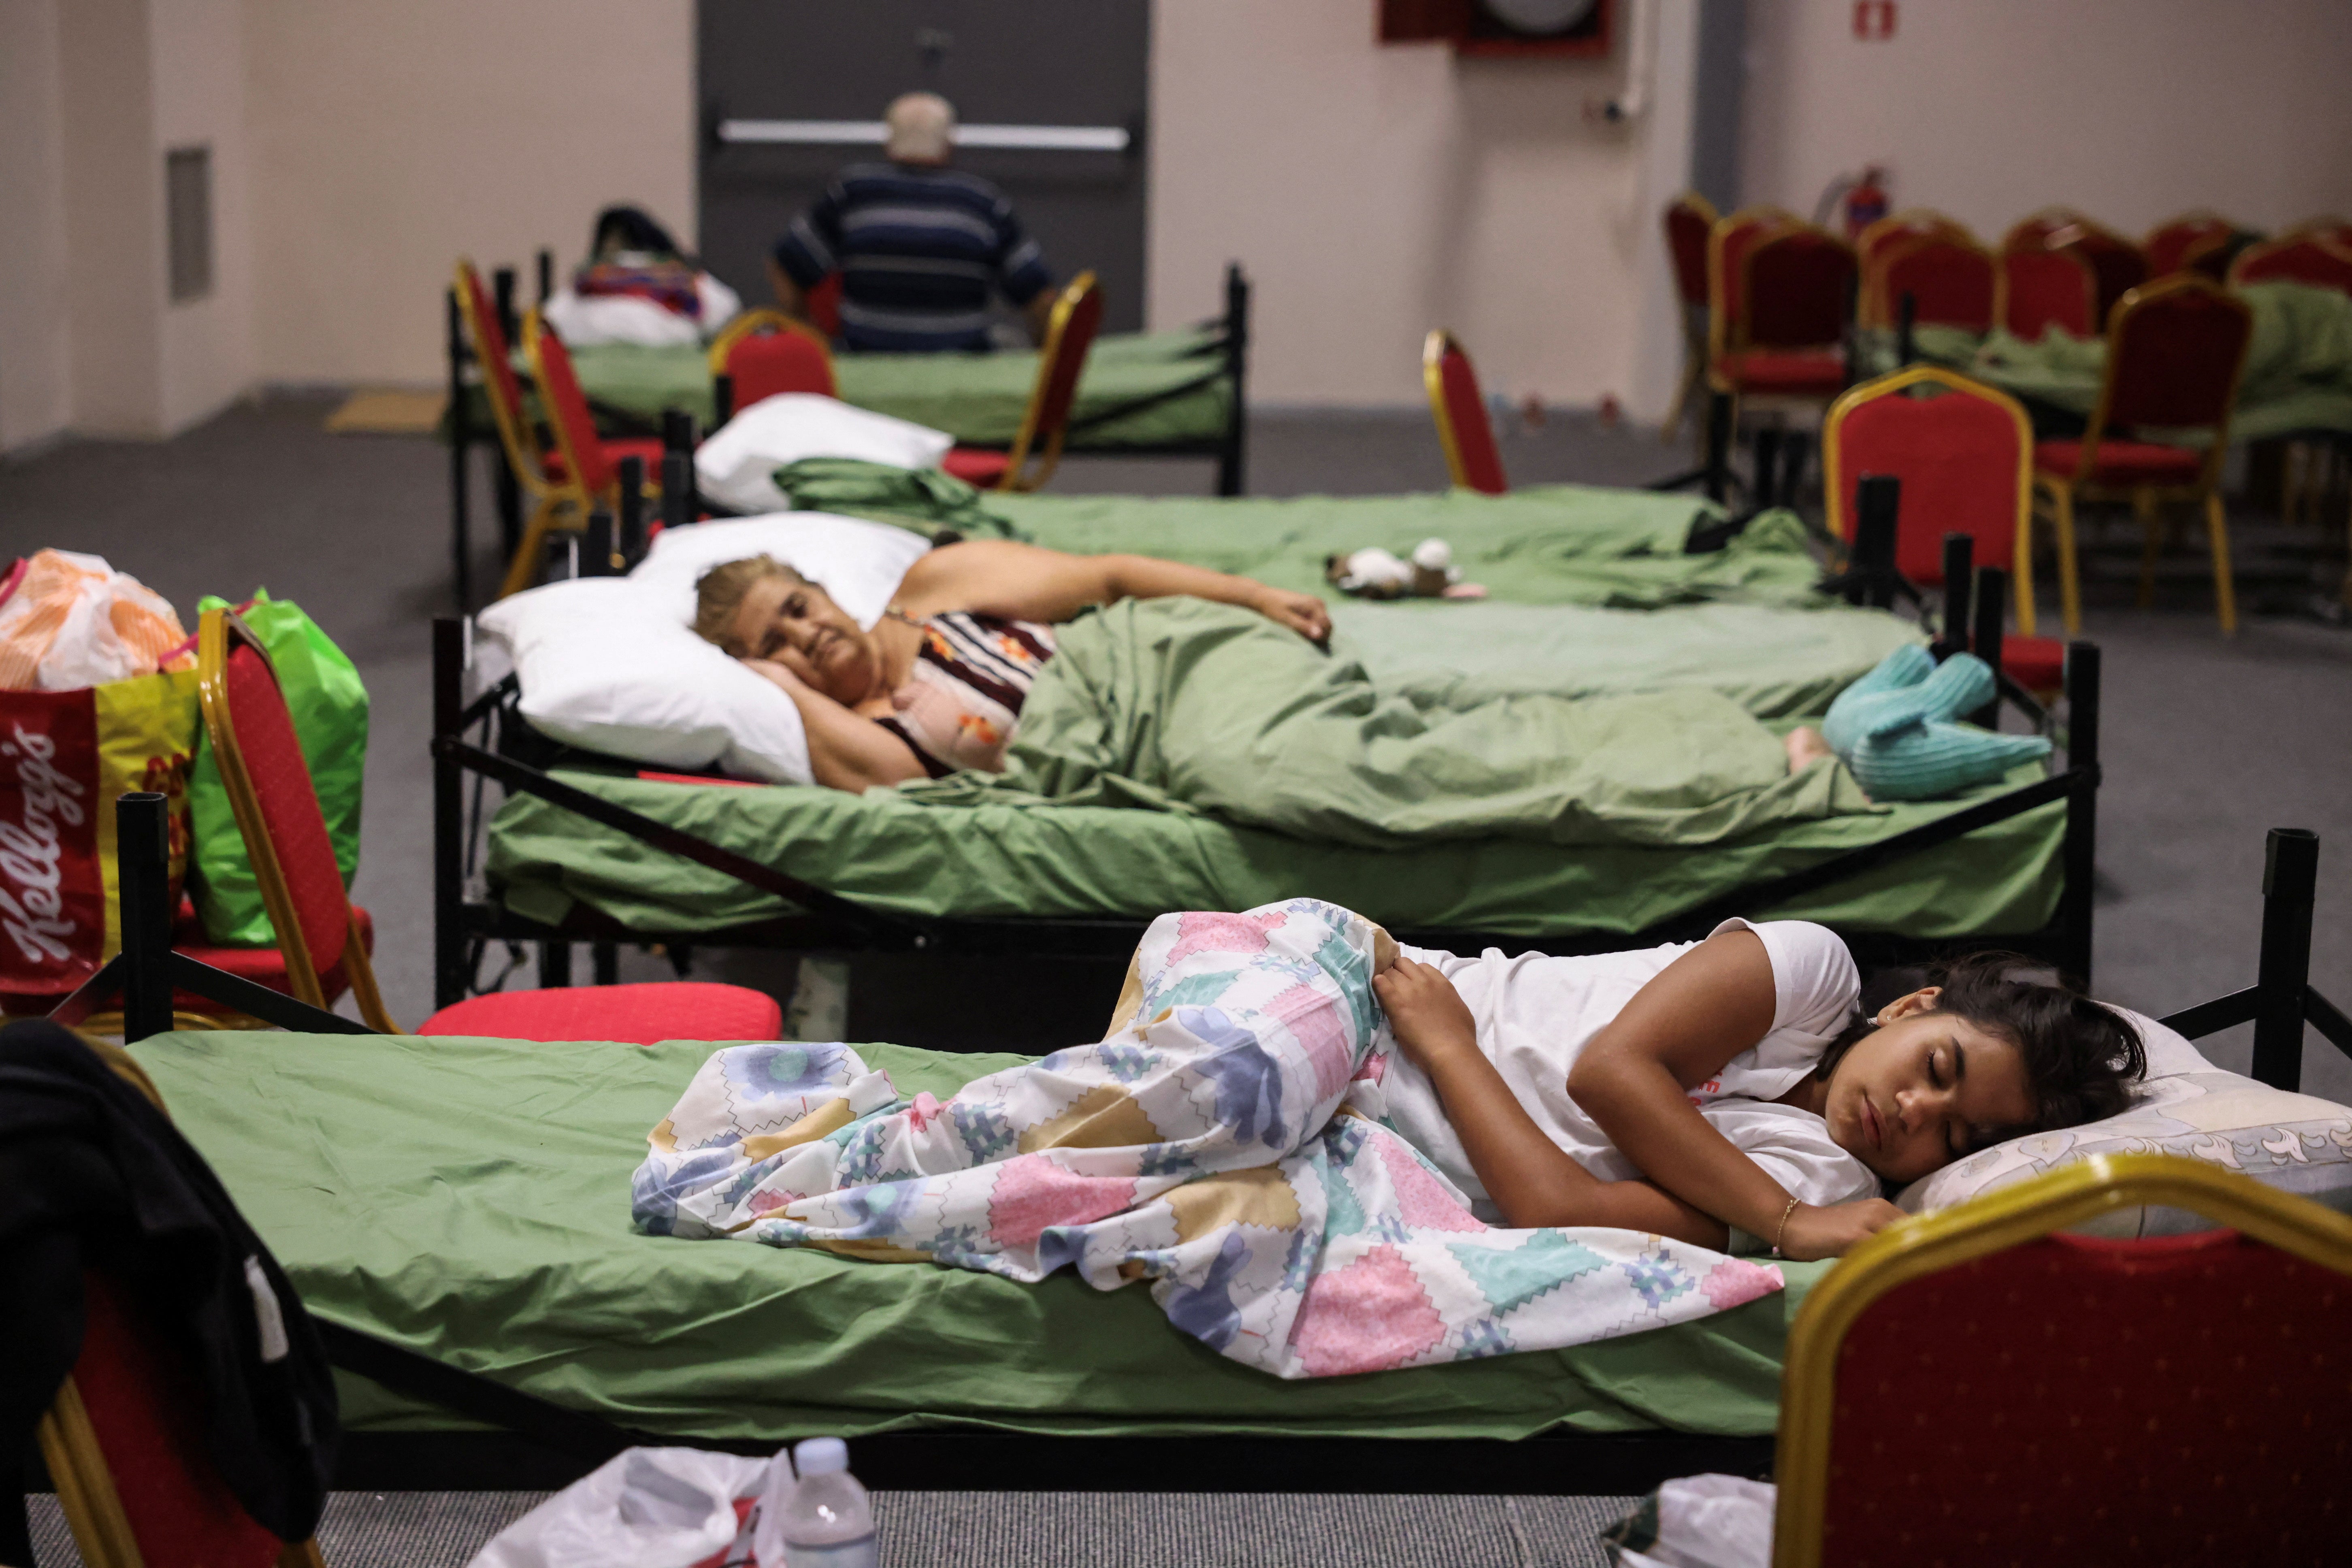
(1180, 705)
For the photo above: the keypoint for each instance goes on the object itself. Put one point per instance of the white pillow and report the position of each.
(585, 320)
(605, 663)
(859, 563)
(2186, 1106)
(737, 467)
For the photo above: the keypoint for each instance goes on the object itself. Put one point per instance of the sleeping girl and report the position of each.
(937, 684)
(1331, 1154)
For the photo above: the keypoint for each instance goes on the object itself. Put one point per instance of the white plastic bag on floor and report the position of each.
(646, 1508)
(1700, 1521)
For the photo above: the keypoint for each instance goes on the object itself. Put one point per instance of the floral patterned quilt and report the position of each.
(1208, 1147)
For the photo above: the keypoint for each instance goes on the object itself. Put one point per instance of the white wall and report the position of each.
(36, 387)
(2130, 110)
(389, 140)
(1375, 192)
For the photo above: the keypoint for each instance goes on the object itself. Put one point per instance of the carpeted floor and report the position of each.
(1035, 1529)
(2208, 742)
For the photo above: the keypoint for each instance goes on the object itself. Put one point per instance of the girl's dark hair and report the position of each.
(2081, 1058)
(635, 229)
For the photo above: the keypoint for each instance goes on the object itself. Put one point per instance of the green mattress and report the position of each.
(2298, 372)
(978, 398)
(469, 1200)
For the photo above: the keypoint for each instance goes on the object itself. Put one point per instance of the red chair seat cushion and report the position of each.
(1807, 372)
(975, 467)
(645, 449)
(2038, 664)
(637, 1015)
(2121, 462)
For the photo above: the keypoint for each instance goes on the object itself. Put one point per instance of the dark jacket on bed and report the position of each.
(92, 1177)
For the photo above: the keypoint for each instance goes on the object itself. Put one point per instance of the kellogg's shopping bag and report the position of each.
(63, 756)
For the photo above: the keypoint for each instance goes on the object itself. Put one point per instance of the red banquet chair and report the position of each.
(2193, 242)
(277, 811)
(1950, 280)
(582, 460)
(1965, 454)
(124, 1448)
(1061, 360)
(1884, 237)
(2335, 230)
(1783, 331)
(2117, 264)
(1979, 1385)
(2174, 351)
(2039, 289)
(764, 353)
(2295, 258)
(2032, 232)
(1463, 428)
(1689, 219)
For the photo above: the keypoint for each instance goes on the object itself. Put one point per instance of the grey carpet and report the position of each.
(1035, 1529)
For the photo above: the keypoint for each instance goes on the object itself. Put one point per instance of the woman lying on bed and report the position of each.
(937, 684)
(1691, 1091)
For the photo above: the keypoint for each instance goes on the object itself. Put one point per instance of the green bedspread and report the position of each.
(2298, 372)
(469, 1199)
(977, 398)
(1180, 705)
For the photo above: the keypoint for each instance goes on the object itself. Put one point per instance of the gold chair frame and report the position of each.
(214, 634)
(764, 318)
(1837, 490)
(2060, 492)
(1434, 350)
(1997, 1221)
(1049, 354)
(1696, 331)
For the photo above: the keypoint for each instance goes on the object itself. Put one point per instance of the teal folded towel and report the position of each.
(1895, 728)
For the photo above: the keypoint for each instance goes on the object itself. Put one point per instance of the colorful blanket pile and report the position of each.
(1207, 1145)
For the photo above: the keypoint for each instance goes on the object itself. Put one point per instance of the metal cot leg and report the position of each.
(461, 547)
(1233, 457)
(2080, 851)
(450, 979)
(143, 839)
(2290, 884)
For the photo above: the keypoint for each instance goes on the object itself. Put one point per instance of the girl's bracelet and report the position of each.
(1782, 1234)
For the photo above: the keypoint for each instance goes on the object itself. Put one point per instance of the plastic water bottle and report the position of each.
(824, 1521)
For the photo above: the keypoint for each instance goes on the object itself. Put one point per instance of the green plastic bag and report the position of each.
(331, 715)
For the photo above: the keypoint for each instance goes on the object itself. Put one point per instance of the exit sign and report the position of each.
(1873, 20)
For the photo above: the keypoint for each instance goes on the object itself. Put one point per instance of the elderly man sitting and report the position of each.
(918, 245)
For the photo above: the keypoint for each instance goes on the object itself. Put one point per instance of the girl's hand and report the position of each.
(1302, 613)
(1427, 1015)
(1813, 1232)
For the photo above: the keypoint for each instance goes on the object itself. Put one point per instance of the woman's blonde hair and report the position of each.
(719, 594)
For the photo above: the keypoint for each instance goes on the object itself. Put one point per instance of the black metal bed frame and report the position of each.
(535, 1443)
(487, 739)
(1229, 351)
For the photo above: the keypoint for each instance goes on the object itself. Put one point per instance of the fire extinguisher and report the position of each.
(1866, 201)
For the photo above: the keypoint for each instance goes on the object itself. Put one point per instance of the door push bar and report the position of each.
(872, 132)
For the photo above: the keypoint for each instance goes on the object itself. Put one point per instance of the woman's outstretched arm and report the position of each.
(847, 750)
(1028, 583)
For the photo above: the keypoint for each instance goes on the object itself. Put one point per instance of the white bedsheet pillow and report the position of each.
(605, 664)
(856, 561)
(584, 320)
(2186, 1106)
(737, 465)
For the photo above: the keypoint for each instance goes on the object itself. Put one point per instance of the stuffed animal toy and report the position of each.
(1374, 574)
(1895, 728)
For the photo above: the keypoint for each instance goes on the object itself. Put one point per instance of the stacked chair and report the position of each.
(2176, 349)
